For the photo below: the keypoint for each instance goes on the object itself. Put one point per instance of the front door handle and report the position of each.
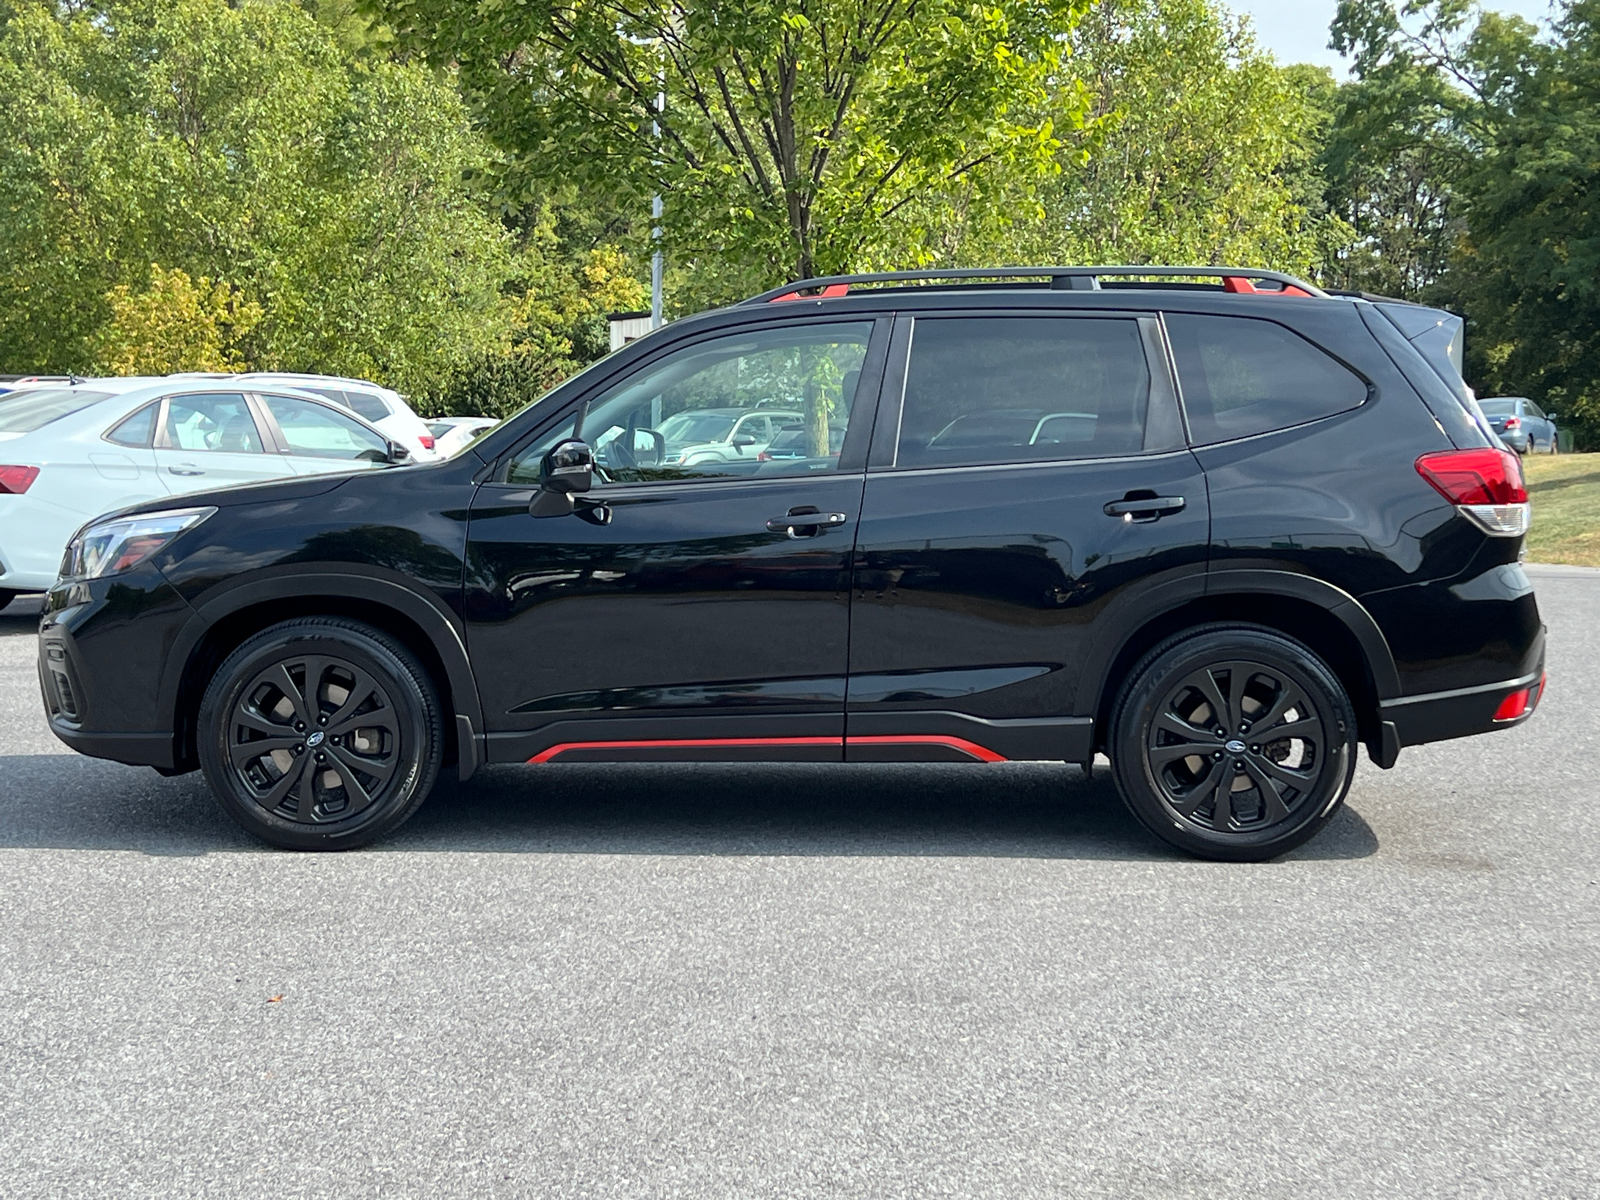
(185, 469)
(805, 523)
(1143, 509)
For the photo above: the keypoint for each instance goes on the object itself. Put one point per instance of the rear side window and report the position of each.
(28, 409)
(1242, 376)
(363, 404)
(986, 390)
(138, 429)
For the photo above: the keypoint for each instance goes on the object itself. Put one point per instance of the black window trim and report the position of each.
(868, 393)
(885, 453)
(1183, 407)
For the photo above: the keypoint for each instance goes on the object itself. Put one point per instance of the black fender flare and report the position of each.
(1128, 618)
(442, 628)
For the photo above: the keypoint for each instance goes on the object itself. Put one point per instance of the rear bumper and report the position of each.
(1440, 716)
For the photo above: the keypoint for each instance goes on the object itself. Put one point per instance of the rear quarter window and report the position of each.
(1242, 376)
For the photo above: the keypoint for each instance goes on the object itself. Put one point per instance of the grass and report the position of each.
(1565, 490)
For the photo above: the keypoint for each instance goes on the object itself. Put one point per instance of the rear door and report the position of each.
(1032, 477)
(207, 440)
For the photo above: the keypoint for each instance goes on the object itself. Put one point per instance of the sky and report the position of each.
(1297, 30)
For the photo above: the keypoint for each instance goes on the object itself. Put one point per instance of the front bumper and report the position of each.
(103, 651)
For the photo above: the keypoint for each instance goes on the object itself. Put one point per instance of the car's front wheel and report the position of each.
(320, 734)
(1233, 742)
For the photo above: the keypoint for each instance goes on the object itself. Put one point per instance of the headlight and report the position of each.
(118, 544)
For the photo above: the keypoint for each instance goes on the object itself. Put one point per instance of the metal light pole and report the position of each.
(657, 262)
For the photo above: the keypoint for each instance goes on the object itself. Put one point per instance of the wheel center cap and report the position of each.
(1233, 747)
(316, 740)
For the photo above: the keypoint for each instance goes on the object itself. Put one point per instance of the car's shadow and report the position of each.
(1017, 810)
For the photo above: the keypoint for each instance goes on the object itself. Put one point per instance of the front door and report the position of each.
(684, 611)
(1035, 480)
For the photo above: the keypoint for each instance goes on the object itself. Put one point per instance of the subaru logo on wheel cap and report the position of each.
(316, 740)
(1233, 747)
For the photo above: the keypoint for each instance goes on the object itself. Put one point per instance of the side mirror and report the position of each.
(743, 440)
(398, 453)
(566, 471)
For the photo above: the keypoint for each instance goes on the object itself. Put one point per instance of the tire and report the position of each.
(372, 776)
(1163, 706)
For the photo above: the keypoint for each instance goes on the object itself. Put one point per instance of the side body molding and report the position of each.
(438, 623)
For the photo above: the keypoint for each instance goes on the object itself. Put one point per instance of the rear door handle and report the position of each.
(1141, 509)
(811, 523)
(185, 469)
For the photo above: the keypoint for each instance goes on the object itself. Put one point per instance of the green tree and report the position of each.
(1196, 148)
(176, 324)
(250, 146)
(794, 132)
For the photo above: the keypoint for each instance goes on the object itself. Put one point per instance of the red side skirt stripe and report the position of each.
(981, 753)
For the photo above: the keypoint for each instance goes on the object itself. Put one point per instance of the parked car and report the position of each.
(381, 407)
(74, 451)
(452, 434)
(1287, 537)
(707, 436)
(794, 442)
(14, 383)
(1522, 425)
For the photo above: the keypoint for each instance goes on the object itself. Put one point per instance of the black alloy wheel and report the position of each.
(320, 734)
(1233, 742)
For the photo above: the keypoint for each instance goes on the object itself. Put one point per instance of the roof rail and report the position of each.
(1241, 280)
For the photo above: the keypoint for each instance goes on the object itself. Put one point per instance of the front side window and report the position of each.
(712, 410)
(317, 431)
(1241, 376)
(987, 390)
(218, 421)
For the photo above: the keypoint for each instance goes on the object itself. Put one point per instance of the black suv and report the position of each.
(1217, 524)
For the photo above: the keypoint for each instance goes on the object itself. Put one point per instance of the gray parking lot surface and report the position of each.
(863, 981)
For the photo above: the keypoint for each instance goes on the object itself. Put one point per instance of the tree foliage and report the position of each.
(176, 324)
(247, 146)
(794, 132)
(1195, 149)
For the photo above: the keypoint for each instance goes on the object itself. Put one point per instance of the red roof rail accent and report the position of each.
(1240, 285)
(827, 293)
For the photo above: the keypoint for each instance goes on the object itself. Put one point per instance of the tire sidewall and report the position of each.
(1141, 702)
(401, 677)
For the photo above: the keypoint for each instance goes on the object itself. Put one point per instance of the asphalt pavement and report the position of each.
(820, 981)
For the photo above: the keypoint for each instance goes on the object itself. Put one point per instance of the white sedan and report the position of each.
(69, 453)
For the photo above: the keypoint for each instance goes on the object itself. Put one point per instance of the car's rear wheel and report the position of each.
(320, 734)
(1233, 742)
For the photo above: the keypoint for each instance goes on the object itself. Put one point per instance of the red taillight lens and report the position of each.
(763, 457)
(1475, 476)
(1513, 423)
(16, 480)
(427, 441)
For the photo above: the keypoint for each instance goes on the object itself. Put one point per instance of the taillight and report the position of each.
(1485, 485)
(16, 480)
(1522, 702)
(763, 457)
(427, 441)
(1512, 423)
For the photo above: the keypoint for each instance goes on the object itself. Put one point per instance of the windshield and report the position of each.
(1498, 408)
(32, 408)
(696, 427)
